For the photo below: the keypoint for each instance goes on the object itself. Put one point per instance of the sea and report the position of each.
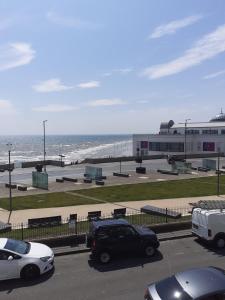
(72, 147)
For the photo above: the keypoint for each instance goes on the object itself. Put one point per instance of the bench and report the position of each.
(13, 186)
(141, 170)
(121, 174)
(167, 172)
(119, 212)
(92, 215)
(69, 179)
(22, 188)
(202, 169)
(45, 222)
(99, 182)
(87, 180)
(59, 180)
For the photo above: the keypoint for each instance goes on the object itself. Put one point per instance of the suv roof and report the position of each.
(110, 222)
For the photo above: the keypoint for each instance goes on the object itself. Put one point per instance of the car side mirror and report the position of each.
(10, 258)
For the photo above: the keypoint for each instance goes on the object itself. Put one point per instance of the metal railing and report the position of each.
(70, 227)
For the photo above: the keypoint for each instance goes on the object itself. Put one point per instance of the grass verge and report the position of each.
(204, 186)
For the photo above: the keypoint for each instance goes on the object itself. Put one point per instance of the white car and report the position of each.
(19, 259)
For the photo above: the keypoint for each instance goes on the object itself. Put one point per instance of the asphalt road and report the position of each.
(76, 277)
(25, 175)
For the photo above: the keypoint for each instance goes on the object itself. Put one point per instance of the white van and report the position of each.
(209, 225)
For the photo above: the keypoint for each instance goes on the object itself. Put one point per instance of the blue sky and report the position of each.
(104, 67)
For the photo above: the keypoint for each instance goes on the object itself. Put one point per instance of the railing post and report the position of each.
(22, 230)
(166, 216)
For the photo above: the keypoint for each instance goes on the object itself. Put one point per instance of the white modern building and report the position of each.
(183, 138)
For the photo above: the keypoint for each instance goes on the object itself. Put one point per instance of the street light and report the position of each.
(218, 172)
(185, 138)
(44, 143)
(9, 146)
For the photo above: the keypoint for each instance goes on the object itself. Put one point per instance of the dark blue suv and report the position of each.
(116, 236)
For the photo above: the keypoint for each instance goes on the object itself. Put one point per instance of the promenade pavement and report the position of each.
(20, 216)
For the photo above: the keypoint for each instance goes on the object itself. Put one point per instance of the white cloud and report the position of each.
(6, 107)
(55, 108)
(124, 71)
(213, 75)
(15, 55)
(107, 74)
(89, 85)
(207, 47)
(71, 22)
(51, 85)
(172, 27)
(106, 102)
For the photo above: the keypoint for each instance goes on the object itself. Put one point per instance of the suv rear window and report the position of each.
(170, 289)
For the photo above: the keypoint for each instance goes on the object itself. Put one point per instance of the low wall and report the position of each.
(147, 157)
(30, 164)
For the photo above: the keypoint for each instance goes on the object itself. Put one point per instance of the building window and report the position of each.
(209, 131)
(208, 146)
(222, 131)
(166, 147)
(144, 145)
(192, 131)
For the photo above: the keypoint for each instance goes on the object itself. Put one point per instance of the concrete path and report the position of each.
(181, 204)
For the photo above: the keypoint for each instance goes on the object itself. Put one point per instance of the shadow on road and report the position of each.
(127, 262)
(210, 247)
(10, 285)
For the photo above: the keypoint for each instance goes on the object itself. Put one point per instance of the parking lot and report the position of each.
(77, 277)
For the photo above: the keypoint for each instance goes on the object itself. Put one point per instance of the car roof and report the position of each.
(2, 242)
(109, 222)
(202, 281)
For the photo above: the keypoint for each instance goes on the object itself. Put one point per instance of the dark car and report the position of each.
(207, 283)
(116, 236)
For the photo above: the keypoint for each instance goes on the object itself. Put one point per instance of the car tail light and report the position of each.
(209, 232)
(93, 244)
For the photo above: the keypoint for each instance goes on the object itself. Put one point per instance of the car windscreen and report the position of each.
(17, 246)
(170, 289)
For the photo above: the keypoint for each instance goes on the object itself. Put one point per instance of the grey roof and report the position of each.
(202, 281)
(200, 125)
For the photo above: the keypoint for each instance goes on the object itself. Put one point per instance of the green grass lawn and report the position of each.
(203, 186)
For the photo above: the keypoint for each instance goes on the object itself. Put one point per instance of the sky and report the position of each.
(109, 67)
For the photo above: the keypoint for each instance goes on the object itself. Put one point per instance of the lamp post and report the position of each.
(9, 146)
(185, 138)
(44, 143)
(218, 173)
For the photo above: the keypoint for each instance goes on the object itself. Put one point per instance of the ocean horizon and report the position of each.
(73, 147)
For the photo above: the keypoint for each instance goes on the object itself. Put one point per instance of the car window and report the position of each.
(4, 255)
(102, 233)
(170, 289)
(17, 246)
(127, 231)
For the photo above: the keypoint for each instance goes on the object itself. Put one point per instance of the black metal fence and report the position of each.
(67, 227)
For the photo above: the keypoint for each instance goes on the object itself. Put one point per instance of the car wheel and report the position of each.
(220, 242)
(30, 272)
(149, 251)
(104, 257)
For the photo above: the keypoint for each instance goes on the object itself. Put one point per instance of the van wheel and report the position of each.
(149, 251)
(220, 242)
(104, 257)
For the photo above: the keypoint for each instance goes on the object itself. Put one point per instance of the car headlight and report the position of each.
(45, 258)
